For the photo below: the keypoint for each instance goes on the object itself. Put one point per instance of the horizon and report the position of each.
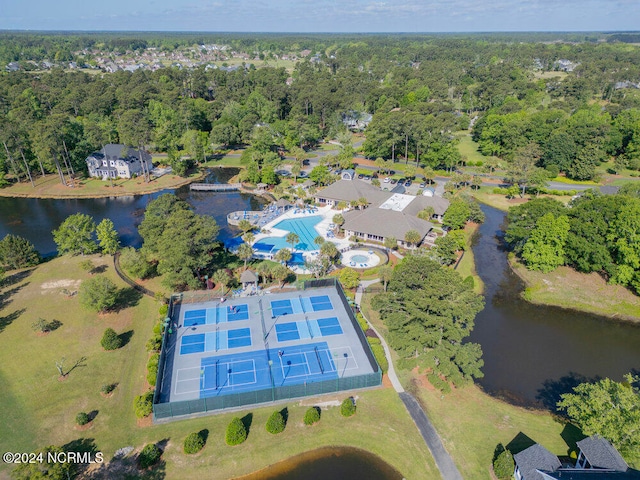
(323, 16)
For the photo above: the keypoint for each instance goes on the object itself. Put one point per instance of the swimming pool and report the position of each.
(303, 227)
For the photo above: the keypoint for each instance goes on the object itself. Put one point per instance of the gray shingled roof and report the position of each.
(421, 202)
(114, 152)
(350, 190)
(534, 458)
(385, 223)
(601, 454)
(577, 474)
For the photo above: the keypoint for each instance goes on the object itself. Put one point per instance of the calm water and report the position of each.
(532, 354)
(334, 463)
(36, 218)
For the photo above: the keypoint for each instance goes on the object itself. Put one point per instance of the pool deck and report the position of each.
(322, 228)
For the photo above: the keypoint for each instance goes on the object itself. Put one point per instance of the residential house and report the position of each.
(118, 161)
(597, 460)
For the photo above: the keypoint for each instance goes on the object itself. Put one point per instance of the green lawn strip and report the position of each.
(567, 288)
(50, 186)
(469, 149)
(466, 266)
(471, 424)
(574, 182)
(381, 426)
(43, 409)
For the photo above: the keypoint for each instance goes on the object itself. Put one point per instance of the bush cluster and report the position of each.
(108, 388)
(236, 432)
(110, 340)
(82, 418)
(143, 404)
(275, 423)
(362, 322)
(149, 455)
(378, 352)
(193, 443)
(438, 383)
(312, 415)
(155, 342)
(348, 407)
(503, 464)
(152, 369)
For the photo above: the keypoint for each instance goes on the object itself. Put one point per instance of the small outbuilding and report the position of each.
(248, 279)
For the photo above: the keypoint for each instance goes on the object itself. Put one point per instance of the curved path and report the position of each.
(445, 464)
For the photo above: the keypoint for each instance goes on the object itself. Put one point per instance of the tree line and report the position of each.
(595, 233)
(420, 90)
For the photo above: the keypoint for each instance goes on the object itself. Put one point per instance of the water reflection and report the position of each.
(335, 463)
(532, 354)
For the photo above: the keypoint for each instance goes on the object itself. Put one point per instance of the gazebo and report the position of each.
(248, 278)
(261, 186)
(283, 204)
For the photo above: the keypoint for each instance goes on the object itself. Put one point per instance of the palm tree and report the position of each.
(363, 202)
(319, 240)
(426, 214)
(264, 269)
(245, 225)
(412, 237)
(283, 255)
(342, 205)
(222, 278)
(292, 239)
(280, 273)
(390, 242)
(249, 238)
(385, 273)
(245, 252)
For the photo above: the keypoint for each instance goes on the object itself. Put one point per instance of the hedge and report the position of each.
(312, 415)
(275, 423)
(193, 443)
(378, 352)
(152, 369)
(348, 407)
(143, 404)
(149, 455)
(110, 340)
(236, 432)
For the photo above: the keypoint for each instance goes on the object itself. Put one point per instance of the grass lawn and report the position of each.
(50, 187)
(469, 149)
(471, 423)
(467, 265)
(567, 288)
(40, 409)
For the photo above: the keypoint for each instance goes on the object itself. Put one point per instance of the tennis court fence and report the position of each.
(201, 405)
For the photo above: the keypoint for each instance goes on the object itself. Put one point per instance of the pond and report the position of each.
(35, 218)
(534, 353)
(335, 463)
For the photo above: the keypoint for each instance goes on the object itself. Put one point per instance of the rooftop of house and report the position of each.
(384, 223)
(118, 151)
(601, 454)
(536, 458)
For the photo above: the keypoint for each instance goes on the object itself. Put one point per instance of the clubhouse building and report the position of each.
(387, 214)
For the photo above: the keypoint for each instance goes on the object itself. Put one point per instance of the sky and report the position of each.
(321, 15)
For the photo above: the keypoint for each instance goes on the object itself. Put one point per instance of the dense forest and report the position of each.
(565, 103)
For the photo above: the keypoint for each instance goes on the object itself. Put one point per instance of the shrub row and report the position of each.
(152, 369)
(378, 352)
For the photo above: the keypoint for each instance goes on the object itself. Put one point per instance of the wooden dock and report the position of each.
(215, 187)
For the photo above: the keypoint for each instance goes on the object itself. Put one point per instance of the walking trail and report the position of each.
(445, 464)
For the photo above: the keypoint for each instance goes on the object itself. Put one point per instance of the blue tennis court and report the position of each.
(303, 364)
(321, 302)
(305, 329)
(214, 341)
(219, 314)
(329, 326)
(233, 373)
(301, 304)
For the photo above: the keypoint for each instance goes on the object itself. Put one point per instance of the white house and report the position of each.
(118, 161)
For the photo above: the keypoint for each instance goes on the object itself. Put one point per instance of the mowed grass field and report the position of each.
(49, 186)
(40, 410)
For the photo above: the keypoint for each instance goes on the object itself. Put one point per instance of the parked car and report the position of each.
(360, 176)
(393, 181)
(407, 183)
(422, 185)
(367, 177)
(386, 179)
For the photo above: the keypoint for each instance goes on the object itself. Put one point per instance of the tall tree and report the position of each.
(429, 311)
(75, 235)
(607, 408)
(523, 166)
(17, 252)
(107, 237)
(544, 249)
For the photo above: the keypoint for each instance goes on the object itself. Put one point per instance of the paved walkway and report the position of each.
(444, 462)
